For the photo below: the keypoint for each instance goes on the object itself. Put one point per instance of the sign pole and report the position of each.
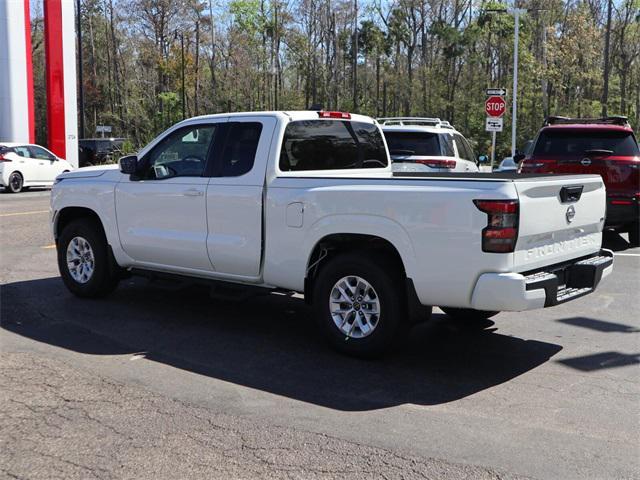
(493, 149)
(494, 107)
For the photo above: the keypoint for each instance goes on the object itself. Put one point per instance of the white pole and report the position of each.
(493, 149)
(517, 12)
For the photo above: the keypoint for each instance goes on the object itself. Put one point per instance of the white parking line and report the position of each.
(627, 254)
(23, 213)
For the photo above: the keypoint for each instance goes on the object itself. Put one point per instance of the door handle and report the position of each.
(192, 192)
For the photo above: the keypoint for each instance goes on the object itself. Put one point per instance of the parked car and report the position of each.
(25, 165)
(603, 146)
(506, 165)
(427, 145)
(96, 151)
(307, 202)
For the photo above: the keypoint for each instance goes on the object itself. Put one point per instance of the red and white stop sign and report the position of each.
(495, 106)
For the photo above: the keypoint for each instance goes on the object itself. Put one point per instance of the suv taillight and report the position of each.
(501, 232)
(436, 163)
(3, 158)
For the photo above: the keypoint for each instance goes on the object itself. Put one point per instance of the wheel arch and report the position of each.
(337, 243)
(68, 214)
(19, 172)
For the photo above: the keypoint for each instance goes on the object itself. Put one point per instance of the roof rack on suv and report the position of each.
(610, 120)
(427, 121)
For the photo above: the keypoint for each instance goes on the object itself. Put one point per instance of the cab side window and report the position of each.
(240, 148)
(182, 153)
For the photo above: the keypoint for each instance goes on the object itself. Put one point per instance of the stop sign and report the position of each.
(495, 106)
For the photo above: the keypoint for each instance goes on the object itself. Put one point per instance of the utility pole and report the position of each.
(80, 74)
(516, 12)
(276, 60)
(607, 42)
(213, 50)
(355, 56)
(184, 112)
(545, 87)
(514, 109)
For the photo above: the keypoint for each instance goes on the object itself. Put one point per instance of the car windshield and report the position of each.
(413, 143)
(570, 143)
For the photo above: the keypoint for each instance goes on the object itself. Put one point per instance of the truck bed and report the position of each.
(498, 176)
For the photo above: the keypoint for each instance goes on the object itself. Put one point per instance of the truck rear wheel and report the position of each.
(469, 316)
(84, 261)
(360, 307)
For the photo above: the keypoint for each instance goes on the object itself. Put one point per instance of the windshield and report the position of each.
(413, 143)
(576, 143)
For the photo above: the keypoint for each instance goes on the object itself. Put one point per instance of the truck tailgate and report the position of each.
(561, 219)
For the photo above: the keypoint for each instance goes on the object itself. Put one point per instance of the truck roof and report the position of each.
(291, 114)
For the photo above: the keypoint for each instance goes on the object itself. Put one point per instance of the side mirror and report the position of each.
(518, 157)
(482, 159)
(129, 164)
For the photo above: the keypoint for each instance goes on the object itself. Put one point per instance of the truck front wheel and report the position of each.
(360, 306)
(84, 261)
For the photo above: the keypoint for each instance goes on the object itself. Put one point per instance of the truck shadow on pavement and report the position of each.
(614, 241)
(268, 343)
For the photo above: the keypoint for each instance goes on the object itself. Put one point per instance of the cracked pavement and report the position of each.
(57, 422)
(163, 382)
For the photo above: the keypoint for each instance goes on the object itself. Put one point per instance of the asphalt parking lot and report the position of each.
(158, 381)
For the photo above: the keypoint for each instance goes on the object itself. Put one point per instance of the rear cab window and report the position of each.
(574, 143)
(312, 145)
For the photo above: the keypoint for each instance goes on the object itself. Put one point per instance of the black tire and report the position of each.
(386, 280)
(469, 316)
(15, 183)
(104, 278)
(634, 234)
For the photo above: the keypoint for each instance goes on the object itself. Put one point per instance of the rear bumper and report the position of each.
(552, 285)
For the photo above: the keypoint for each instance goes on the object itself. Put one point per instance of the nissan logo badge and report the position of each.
(586, 162)
(571, 212)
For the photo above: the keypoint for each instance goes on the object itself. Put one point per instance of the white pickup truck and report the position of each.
(307, 202)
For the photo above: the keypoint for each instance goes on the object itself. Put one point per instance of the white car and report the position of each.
(307, 202)
(427, 145)
(24, 165)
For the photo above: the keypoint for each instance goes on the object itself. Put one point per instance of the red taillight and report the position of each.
(3, 158)
(436, 162)
(497, 206)
(621, 202)
(501, 232)
(342, 115)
